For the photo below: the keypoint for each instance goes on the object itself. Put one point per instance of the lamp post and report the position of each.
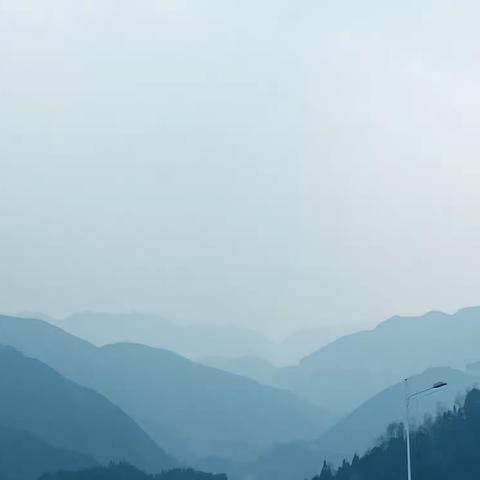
(408, 397)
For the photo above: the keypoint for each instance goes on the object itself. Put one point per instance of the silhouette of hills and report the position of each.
(306, 341)
(191, 341)
(353, 368)
(195, 341)
(189, 409)
(37, 399)
(124, 471)
(25, 457)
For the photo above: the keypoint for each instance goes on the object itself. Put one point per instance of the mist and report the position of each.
(272, 165)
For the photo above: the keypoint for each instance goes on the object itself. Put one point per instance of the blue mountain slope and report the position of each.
(37, 399)
(25, 457)
(352, 369)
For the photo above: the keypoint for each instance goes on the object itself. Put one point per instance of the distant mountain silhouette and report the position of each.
(304, 342)
(37, 399)
(25, 457)
(195, 341)
(191, 341)
(189, 409)
(39, 315)
(252, 367)
(352, 369)
(124, 471)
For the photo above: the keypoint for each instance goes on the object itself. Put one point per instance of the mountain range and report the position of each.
(350, 370)
(213, 417)
(371, 360)
(190, 410)
(194, 341)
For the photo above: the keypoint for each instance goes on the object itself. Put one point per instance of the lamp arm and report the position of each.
(418, 393)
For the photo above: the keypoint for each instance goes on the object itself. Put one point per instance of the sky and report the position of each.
(269, 164)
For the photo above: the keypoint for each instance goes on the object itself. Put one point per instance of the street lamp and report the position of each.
(408, 397)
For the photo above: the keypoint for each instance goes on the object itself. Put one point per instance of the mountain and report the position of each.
(191, 341)
(124, 471)
(189, 409)
(212, 412)
(304, 342)
(195, 341)
(25, 457)
(442, 449)
(352, 369)
(252, 367)
(39, 315)
(293, 348)
(37, 399)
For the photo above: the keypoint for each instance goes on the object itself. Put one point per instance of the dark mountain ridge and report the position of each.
(25, 457)
(37, 399)
(124, 471)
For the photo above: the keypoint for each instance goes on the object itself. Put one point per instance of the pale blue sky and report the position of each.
(274, 164)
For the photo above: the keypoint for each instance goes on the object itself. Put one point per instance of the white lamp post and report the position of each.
(408, 397)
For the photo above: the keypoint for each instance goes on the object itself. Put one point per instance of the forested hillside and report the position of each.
(124, 471)
(442, 449)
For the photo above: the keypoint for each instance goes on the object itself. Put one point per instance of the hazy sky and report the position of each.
(268, 163)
